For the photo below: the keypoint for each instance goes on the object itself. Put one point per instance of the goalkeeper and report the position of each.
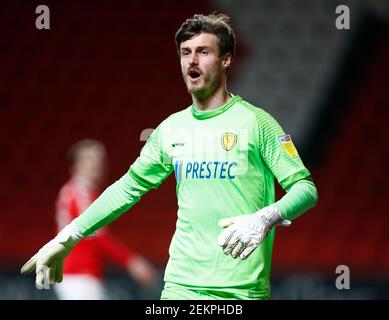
(226, 155)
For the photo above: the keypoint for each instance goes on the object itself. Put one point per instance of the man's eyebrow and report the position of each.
(203, 47)
(197, 48)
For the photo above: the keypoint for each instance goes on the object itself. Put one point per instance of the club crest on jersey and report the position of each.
(288, 146)
(229, 140)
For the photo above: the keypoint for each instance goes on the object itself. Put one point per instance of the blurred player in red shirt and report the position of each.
(83, 268)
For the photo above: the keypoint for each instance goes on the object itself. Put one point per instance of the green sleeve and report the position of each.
(115, 200)
(147, 172)
(282, 159)
(153, 165)
(301, 197)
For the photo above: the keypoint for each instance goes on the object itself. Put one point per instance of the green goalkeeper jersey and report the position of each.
(225, 161)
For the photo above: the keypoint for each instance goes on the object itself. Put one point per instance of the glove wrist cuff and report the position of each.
(69, 236)
(271, 216)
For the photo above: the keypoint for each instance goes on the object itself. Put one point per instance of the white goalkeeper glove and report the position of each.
(244, 233)
(48, 261)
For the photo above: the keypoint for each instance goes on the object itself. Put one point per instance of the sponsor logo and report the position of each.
(288, 146)
(204, 170)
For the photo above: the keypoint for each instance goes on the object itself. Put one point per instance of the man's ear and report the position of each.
(227, 59)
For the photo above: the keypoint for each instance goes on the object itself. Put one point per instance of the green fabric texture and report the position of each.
(115, 200)
(174, 291)
(301, 197)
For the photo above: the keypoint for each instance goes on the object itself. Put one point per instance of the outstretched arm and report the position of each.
(147, 172)
(115, 200)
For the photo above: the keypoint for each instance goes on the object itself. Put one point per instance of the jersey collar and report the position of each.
(200, 115)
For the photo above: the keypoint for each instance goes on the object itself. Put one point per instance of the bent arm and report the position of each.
(301, 196)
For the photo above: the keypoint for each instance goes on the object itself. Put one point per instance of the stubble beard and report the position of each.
(204, 89)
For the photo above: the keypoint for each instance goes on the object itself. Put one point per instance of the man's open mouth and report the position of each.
(194, 75)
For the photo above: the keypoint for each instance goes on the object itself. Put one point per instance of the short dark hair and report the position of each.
(217, 24)
(74, 151)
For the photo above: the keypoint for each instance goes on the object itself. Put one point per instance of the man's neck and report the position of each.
(214, 101)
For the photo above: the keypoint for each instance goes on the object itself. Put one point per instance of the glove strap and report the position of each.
(69, 236)
(271, 217)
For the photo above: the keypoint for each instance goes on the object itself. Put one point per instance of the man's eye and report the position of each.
(204, 52)
(184, 53)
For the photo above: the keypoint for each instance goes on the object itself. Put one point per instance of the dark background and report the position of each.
(108, 70)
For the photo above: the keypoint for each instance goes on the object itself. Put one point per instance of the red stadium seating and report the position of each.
(350, 223)
(103, 71)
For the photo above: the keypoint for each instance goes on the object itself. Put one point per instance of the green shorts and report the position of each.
(174, 291)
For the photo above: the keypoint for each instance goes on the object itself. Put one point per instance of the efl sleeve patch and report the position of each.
(288, 146)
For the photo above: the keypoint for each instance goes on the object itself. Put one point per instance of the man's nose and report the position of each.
(193, 60)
